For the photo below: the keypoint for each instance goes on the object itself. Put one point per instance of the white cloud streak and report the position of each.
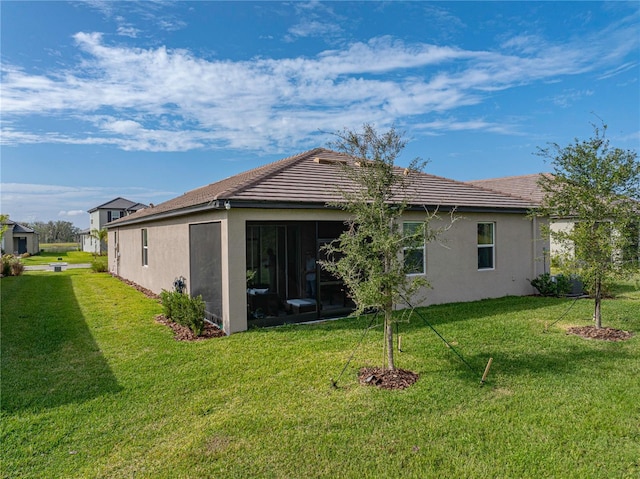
(170, 100)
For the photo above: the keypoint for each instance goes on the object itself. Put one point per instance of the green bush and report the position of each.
(166, 300)
(11, 265)
(184, 310)
(100, 264)
(548, 285)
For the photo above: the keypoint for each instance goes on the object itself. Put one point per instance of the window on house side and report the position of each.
(114, 215)
(414, 253)
(145, 248)
(486, 246)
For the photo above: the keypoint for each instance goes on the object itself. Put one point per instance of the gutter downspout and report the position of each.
(534, 225)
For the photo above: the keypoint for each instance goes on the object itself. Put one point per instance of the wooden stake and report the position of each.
(486, 371)
(399, 343)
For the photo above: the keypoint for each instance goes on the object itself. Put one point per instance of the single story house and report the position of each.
(244, 243)
(19, 239)
(527, 187)
(100, 216)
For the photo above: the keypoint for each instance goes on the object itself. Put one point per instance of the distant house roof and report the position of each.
(119, 204)
(312, 179)
(17, 227)
(525, 186)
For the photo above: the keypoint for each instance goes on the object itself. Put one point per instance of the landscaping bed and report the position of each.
(604, 334)
(183, 333)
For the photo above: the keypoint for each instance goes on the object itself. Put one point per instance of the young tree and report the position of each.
(368, 257)
(598, 188)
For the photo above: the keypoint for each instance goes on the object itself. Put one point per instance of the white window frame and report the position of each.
(491, 245)
(145, 246)
(413, 248)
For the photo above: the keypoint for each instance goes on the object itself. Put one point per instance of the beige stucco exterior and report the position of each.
(451, 262)
(11, 242)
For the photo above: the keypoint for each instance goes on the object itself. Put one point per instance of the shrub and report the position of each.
(166, 299)
(548, 285)
(11, 265)
(100, 265)
(184, 310)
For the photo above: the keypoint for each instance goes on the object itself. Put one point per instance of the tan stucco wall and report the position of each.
(559, 249)
(10, 242)
(452, 259)
(168, 255)
(451, 266)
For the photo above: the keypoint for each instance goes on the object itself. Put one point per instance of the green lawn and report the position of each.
(46, 257)
(93, 387)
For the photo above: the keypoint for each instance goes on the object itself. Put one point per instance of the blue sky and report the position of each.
(147, 100)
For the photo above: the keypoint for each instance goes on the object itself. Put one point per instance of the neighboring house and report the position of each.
(103, 214)
(19, 239)
(527, 187)
(241, 242)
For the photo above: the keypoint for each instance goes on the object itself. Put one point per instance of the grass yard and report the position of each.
(70, 257)
(93, 387)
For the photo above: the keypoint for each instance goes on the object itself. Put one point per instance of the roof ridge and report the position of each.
(251, 177)
(542, 173)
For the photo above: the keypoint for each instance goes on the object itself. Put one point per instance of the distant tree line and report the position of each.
(55, 231)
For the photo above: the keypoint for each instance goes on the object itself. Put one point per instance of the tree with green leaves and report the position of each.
(3, 225)
(368, 256)
(597, 187)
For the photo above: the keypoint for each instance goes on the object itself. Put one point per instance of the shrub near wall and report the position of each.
(548, 285)
(11, 265)
(184, 310)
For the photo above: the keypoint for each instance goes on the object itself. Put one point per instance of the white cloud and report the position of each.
(313, 28)
(451, 124)
(568, 97)
(171, 100)
(72, 213)
(128, 31)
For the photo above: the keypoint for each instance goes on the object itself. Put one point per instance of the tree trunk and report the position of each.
(388, 326)
(596, 314)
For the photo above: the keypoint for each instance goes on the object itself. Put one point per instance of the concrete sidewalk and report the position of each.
(48, 267)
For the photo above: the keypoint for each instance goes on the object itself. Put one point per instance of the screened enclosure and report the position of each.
(285, 283)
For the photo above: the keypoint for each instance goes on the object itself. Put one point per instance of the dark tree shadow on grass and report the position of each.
(49, 357)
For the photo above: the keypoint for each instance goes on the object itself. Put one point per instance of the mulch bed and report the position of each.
(183, 333)
(604, 334)
(387, 379)
(147, 292)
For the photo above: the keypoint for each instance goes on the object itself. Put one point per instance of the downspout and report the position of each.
(533, 242)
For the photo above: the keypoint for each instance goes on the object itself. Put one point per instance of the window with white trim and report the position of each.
(414, 251)
(486, 246)
(145, 248)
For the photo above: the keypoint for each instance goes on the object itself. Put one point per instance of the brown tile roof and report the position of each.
(312, 178)
(525, 186)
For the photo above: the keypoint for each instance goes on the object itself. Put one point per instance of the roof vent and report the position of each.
(329, 161)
